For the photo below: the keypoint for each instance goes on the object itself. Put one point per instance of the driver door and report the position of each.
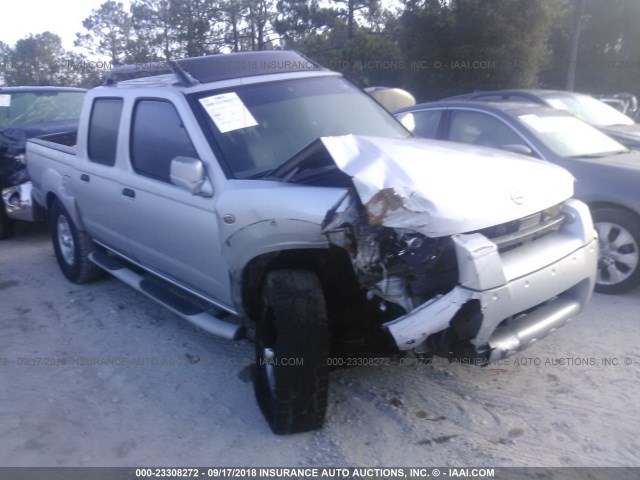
(172, 231)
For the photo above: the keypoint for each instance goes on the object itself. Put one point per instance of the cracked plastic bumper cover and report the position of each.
(536, 288)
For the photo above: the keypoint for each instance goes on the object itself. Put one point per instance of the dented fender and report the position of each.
(263, 237)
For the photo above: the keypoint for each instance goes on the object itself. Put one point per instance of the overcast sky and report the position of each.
(19, 18)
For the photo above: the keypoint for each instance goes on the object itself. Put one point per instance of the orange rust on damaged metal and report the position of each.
(381, 204)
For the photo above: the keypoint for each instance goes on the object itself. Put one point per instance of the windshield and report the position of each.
(259, 127)
(568, 136)
(25, 108)
(590, 110)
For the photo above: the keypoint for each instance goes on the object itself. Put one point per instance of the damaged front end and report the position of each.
(13, 170)
(470, 295)
(15, 187)
(481, 294)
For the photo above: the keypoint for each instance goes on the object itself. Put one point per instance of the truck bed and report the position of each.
(63, 142)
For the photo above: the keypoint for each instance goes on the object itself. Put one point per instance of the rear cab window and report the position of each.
(104, 124)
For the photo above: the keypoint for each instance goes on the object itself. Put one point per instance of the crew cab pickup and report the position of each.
(260, 194)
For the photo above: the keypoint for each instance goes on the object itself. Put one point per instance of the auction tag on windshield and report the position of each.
(228, 112)
(5, 100)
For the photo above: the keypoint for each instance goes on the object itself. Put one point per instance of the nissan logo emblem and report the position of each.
(517, 196)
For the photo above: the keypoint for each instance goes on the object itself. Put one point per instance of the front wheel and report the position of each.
(292, 349)
(72, 246)
(619, 256)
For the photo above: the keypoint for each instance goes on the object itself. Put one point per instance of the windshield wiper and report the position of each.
(256, 176)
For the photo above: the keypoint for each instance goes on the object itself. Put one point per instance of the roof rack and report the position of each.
(211, 68)
(167, 66)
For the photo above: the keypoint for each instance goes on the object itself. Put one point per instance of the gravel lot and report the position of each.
(97, 375)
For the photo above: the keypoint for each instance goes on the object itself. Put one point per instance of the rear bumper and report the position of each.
(518, 297)
(18, 202)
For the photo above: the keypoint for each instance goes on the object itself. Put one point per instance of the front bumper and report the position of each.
(521, 295)
(18, 202)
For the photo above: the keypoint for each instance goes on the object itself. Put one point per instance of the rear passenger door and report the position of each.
(171, 231)
(97, 183)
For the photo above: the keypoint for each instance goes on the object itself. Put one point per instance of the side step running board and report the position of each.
(178, 305)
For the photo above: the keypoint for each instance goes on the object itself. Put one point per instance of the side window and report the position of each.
(422, 123)
(481, 129)
(103, 130)
(157, 137)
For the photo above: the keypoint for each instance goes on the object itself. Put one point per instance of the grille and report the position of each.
(512, 234)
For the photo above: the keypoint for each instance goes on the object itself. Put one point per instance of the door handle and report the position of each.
(85, 178)
(127, 192)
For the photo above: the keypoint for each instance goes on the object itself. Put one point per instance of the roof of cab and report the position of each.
(189, 72)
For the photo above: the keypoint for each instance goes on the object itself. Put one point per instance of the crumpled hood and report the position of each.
(440, 188)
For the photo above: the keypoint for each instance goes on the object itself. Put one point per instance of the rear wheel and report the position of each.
(619, 256)
(72, 246)
(292, 349)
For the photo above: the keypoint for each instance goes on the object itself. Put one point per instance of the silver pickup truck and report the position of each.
(260, 194)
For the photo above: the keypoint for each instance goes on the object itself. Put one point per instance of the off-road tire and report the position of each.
(81, 269)
(293, 327)
(617, 220)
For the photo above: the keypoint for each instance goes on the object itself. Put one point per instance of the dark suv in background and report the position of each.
(27, 112)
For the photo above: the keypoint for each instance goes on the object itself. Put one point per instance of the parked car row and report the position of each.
(600, 152)
(591, 110)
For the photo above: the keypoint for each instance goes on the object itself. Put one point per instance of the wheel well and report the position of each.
(331, 265)
(46, 208)
(598, 205)
(49, 199)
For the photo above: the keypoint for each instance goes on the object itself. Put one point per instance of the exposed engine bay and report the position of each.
(398, 265)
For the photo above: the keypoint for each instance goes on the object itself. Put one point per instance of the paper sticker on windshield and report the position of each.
(5, 100)
(557, 104)
(228, 112)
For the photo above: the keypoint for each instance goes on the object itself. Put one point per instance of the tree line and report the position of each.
(432, 48)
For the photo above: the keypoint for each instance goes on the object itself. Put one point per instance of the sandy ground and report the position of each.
(172, 395)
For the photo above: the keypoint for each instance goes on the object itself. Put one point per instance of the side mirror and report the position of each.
(188, 173)
(518, 148)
